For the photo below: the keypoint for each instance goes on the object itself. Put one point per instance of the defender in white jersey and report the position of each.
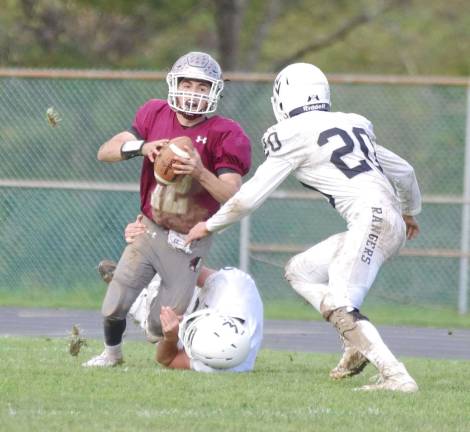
(230, 293)
(373, 189)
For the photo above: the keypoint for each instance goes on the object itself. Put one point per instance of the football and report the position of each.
(163, 165)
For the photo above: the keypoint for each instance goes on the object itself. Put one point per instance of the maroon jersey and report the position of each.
(223, 147)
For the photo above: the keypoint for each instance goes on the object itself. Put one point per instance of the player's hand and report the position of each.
(170, 323)
(192, 166)
(152, 149)
(412, 227)
(197, 232)
(134, 229)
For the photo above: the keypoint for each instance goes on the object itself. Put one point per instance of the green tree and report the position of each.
(366, 36)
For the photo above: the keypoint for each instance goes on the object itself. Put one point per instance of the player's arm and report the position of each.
(221, 187)
(110, 151)
(231, 153)
(168, 352)
(126, 145)
(412, 227)
(251, 195)
(170, 356)
(402, 176)
(285, 150)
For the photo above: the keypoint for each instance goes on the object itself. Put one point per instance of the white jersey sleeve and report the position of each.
(284, 154)
(403, 179)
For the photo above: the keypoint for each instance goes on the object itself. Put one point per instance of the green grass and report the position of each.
(290, 308)
(43, 388)
(77, 297)
(390, 314)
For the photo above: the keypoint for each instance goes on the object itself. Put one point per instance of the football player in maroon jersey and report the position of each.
(213, 173)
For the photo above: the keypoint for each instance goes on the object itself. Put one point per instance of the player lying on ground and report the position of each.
(373, 189)
(222, 328)
(221, 331)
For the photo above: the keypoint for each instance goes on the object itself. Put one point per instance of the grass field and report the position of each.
(43, 388)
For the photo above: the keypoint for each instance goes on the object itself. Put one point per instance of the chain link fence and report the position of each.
(61, 211)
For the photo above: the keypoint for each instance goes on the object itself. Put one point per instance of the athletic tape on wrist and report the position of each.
(131, 149)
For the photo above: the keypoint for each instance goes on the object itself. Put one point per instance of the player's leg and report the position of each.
(133, 272)
(351, 363)
(178, 271)
(363, 336)
(307, 272)
(367, 245)
(140, 308)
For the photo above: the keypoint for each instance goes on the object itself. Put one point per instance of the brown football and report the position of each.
(163, 165)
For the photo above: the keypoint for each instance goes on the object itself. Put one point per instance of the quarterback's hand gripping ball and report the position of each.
(163, 165)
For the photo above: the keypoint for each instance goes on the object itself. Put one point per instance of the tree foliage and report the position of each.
(368, 36)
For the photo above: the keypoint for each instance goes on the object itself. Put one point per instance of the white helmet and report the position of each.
(218, 341)
(199, 66)
(298, 88)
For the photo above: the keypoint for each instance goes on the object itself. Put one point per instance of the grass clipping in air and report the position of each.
(76, 341)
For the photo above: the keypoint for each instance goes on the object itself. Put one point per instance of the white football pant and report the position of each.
(340, 270)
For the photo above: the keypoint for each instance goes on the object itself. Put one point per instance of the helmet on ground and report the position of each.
(217, 340)
(298, 88)
(197, 66)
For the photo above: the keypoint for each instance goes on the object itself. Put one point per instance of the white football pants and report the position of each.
(340, 270)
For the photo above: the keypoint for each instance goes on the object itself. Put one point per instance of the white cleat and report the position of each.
(103, 360)
(397, 379)
(352, 363)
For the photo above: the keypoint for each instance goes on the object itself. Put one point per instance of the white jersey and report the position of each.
(232, 292)
(335, 154)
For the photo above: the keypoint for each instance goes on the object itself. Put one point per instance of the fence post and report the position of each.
(463, 279)
(245, 244)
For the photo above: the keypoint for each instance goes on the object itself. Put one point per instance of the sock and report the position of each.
(114, 352)
(375, 349)
(113, 331)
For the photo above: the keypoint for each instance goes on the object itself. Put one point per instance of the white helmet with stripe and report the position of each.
(217, 340)
(299, 88)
